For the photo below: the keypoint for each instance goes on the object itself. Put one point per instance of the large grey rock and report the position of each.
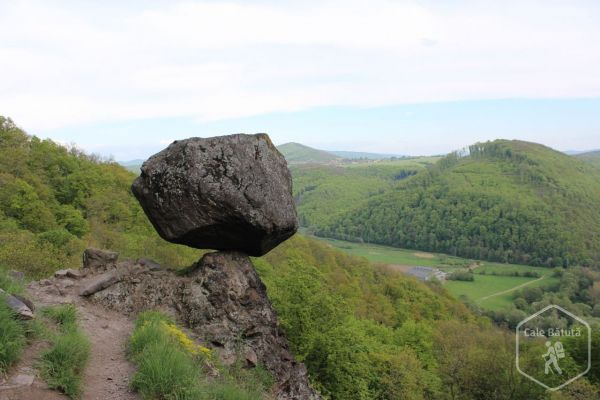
(226, 193)
(17, 305)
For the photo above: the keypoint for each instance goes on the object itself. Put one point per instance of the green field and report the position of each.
(395, 256)
(490, 292)
(495, 292)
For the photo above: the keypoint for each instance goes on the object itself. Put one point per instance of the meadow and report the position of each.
(490, 292)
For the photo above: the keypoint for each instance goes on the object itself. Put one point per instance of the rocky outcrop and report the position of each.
(230, 193)
(94, 258)
(224, 193)
(223, 301)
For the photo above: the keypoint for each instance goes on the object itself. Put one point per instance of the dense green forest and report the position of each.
(507, 201)
(364, 332)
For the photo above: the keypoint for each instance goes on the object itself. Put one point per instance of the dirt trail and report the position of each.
(511, 289)
(108, 372)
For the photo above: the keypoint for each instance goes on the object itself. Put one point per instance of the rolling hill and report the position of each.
(592, 157)
(354, 155)
(508, 201)
(296, 153)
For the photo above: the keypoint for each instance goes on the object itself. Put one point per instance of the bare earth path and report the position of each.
(511, 289)
(108, 372)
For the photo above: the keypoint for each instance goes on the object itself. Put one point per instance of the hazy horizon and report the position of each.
(407, 77)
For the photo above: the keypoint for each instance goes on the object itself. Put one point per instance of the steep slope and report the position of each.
(592, 157)
(508, 201)
(54, 202)
(296, 153)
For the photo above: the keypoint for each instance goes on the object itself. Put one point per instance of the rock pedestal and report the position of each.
(223, 301)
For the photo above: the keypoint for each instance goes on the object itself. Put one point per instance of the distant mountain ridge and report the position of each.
(296, 153)
(365, 155)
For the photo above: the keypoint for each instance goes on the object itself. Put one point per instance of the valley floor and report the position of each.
(491, 292)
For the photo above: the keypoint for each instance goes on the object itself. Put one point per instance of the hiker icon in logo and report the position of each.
(554, 353)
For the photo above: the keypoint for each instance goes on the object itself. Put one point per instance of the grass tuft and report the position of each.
(10, 285)
(62, 365)
(165, 371)
(170, 366)
(12, 337)
(65, 315)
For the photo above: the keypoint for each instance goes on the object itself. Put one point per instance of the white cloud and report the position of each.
(64, 65)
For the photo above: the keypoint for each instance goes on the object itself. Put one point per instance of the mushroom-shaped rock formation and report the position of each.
(225, 193)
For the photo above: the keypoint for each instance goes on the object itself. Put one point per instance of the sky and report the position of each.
(407, 77)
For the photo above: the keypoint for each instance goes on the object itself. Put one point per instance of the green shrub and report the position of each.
(461, 275)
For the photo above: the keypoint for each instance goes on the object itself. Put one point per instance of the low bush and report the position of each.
(461, 276)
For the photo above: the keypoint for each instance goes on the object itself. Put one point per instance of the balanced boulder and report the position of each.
(225, 193)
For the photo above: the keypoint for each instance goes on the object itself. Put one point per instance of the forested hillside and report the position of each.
(507, 201)
(54, 202)
(365, 332)
(325, 192)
